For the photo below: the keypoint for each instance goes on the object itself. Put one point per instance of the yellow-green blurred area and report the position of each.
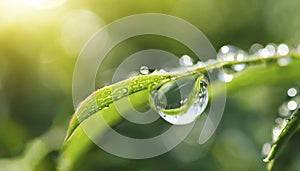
(40, 41)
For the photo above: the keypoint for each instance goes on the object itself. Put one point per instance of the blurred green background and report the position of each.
(41, 40)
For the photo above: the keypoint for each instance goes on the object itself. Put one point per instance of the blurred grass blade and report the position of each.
(288, 131)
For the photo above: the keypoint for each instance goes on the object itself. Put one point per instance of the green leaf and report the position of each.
(288, 131)
(101, 102)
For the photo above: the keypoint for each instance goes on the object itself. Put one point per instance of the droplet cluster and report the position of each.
(285, 112)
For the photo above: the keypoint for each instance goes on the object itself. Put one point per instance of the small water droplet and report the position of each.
(292, 92)
(238, 67)
(292, 105)
(225, 77)
(125, 90)
(255, 48)
(282, 50)
(284, 61)
(278, 129)
(181, 101)
(268, 51)
(200, 64)
(278, 120)
(162, 71)
(144, 70)
(266, 148)
(210, 61)
(232, 53)
(185, 60)
(283, 110)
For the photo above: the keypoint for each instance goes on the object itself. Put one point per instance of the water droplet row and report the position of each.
(285, 114)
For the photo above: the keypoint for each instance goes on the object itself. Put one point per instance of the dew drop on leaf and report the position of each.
(182, 100)
(266, 148)
(144, 70)
(255, 48)
(292, 105)
(284, 61)
(231, 53)
(185, 60)
(282, 50)
(225, 77)
(278, 129)
(292, 92)
(269, 50)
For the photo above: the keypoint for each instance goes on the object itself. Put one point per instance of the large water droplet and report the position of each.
(182, 100)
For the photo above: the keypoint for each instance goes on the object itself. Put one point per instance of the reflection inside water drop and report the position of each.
(181, 101)
(144, 70)
(284, 61)
(292, 92)
(185, 60)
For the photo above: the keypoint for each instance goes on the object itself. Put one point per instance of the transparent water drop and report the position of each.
(144, 70)
(284, 111)
(200, 64)
(185, 60)
(255, 48)
(278, 120)
(225, 77)
(210, 61)
(292, 105)
(287, 107)
(282, 49)
(292, 92)
(266, 148)
(181, 101)
(278, 129)
(269, 50)
(238, 67)
(284, 61)
(161, 71)
(232, 53)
